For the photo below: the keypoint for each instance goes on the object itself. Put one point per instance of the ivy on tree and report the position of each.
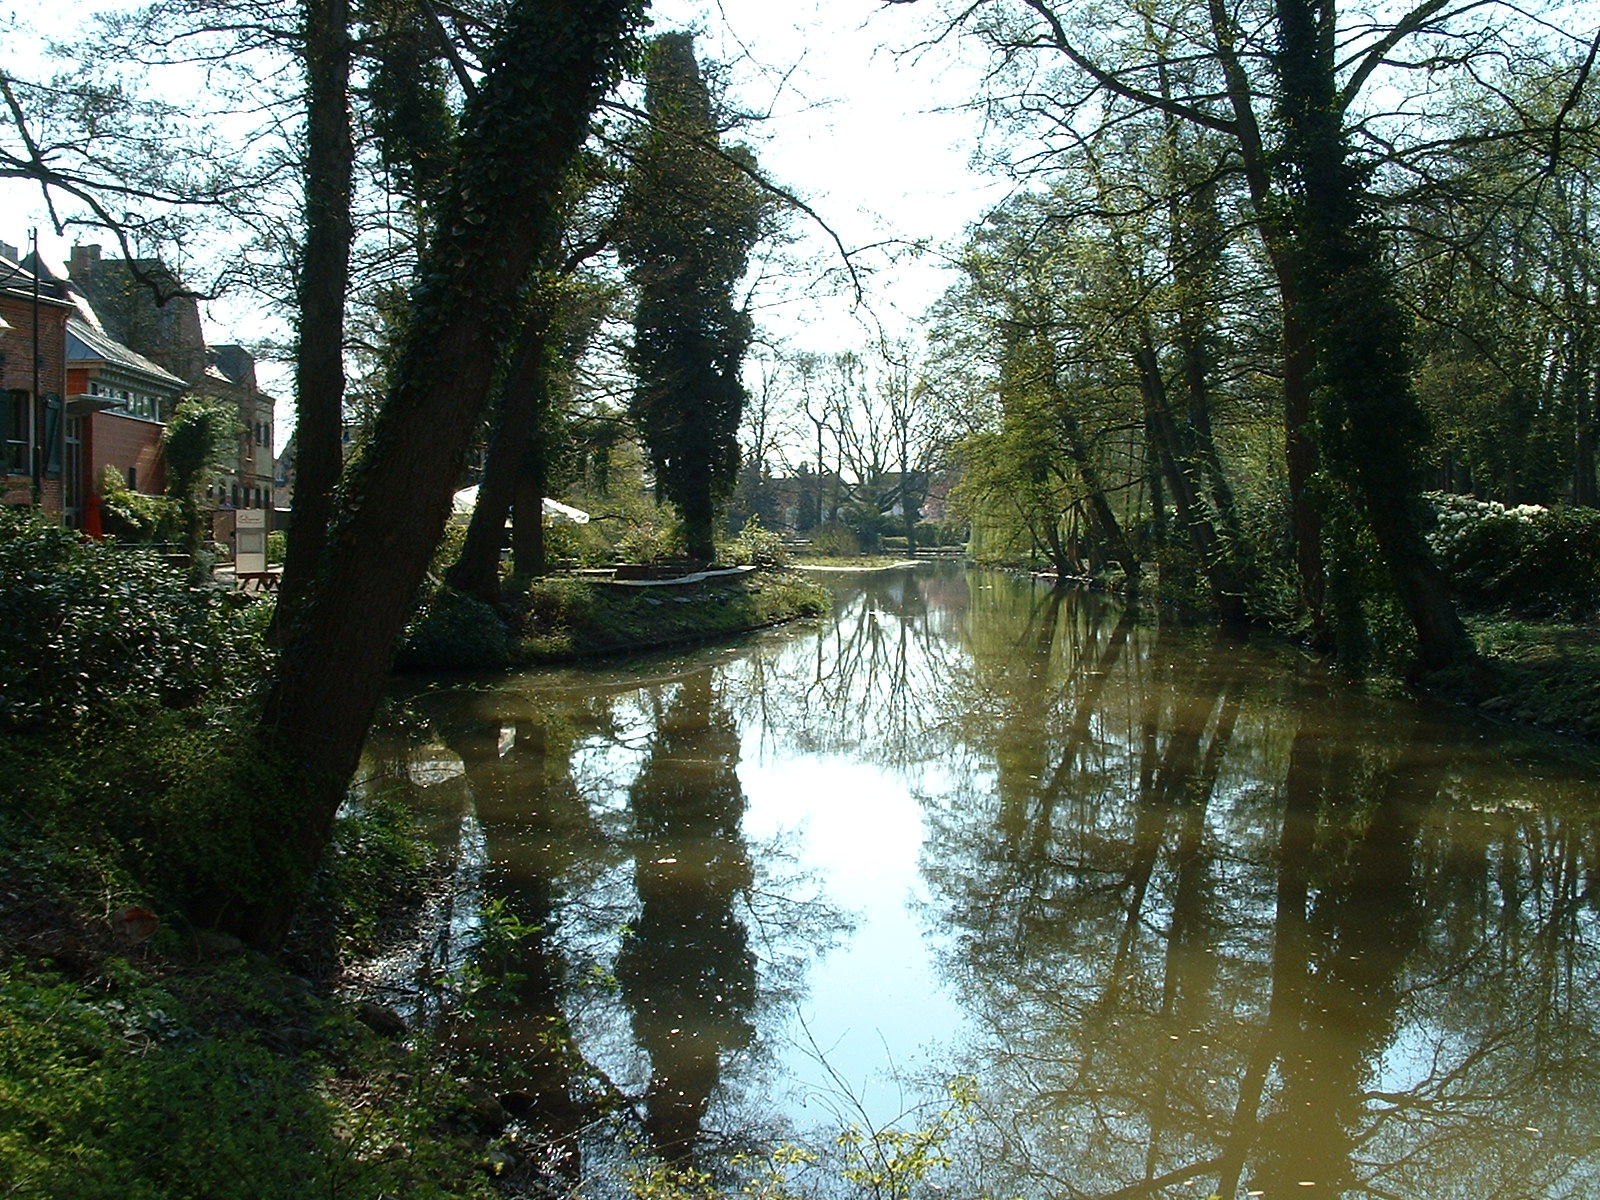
(691, 212)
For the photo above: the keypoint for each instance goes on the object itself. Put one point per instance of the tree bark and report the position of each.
(477, 568)
(528, 552)
(1300, 448)
(1370, 424)
(552, 62)
(324, 282)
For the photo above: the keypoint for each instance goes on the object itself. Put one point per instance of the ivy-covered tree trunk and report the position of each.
(552, 61)
(324, 281)
(1370, 425)
(1300, 447)
(691, 214)
(522, 395)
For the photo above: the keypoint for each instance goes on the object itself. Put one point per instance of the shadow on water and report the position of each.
(1191, 916)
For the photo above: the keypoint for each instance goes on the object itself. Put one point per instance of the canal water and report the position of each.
(1100, 905)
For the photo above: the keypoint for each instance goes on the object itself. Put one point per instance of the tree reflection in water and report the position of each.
(686, 969)
(1213, 921)
(1228, 929)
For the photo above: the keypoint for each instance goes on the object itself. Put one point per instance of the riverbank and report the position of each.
(565, 618)
(1544, 674)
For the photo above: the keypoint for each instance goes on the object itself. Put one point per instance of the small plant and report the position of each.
(893, 1163)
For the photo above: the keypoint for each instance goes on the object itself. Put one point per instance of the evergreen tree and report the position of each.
(691, 213)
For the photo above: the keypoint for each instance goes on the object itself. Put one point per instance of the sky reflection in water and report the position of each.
(1193, 916)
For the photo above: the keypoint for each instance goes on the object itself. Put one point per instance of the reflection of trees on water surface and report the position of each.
(611, 817)
(1225, 930)
(1216, 922)
(688, 975)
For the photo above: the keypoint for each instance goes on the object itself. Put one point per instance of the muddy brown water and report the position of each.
(1176, 913)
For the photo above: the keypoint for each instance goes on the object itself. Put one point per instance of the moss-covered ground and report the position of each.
(1541, 673)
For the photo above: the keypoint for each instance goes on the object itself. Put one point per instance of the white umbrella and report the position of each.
(464, 501)
(557, 511)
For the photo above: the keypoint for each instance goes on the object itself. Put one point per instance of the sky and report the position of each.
(866, 129)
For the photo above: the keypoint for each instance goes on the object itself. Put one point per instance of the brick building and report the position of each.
(140, 304)
(34, 435)
(120, 402)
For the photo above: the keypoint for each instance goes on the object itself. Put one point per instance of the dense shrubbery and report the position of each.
(1524, 561)
(84, 625)
(130, 516)
(181, 1066)
(836, 540)
(455, 631)
(756, 546)
(933, 533)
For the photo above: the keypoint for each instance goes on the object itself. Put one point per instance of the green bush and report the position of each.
(930, 533)
(1525, 561)
(277, 547)
(82, 624)
(757, 546)
(649, 541)
(835, 540)
(130, 516)
(563, 542)
(866, 522)
(455, 631)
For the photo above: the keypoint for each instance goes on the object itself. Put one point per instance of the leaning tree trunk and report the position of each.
(477, 568)
(324, 281)
(520, 130)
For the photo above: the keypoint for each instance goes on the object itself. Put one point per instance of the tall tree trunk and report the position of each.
(553, 60)
(324, 281)
(528, 552)
(1370, 423)
(477, 568)
(1300, 448)
(1583, 441)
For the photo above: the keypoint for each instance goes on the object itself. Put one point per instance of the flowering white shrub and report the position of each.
(1526, 559)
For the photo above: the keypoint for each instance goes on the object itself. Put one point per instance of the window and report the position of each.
(129, 403)
(54, 414)
(16, 422)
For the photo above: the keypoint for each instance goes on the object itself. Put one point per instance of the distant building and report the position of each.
(140, 303)
(34, 435)
(118, 404)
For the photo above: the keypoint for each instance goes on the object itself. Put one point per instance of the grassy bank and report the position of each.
(568, 617)
(1540, 673)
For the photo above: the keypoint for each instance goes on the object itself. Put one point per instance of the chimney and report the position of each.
(83, 261)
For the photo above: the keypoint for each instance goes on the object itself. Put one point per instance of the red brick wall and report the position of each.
(16, 344)
(125, 442)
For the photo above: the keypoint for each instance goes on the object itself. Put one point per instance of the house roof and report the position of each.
(16, 281)
(86, 342)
